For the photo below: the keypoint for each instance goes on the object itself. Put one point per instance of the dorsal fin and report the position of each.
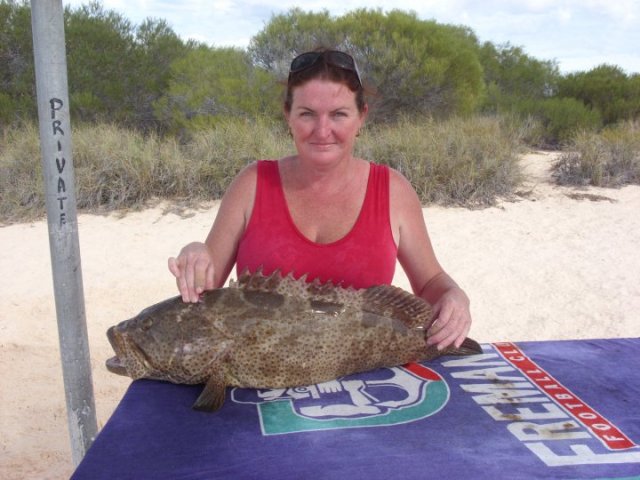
(395, 302)
(385, 300)
(288, 285)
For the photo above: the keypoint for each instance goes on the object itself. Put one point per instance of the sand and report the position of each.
(556, 263)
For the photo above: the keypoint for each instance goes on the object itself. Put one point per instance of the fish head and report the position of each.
(132, 358)
(168, 341)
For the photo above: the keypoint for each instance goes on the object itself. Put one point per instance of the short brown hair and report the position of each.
(325, 70)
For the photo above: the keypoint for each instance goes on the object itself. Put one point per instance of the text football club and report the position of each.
(549, 419)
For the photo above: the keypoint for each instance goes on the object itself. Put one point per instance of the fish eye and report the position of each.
(147, 323)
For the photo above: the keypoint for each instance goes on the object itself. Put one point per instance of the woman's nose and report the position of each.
(323, 126)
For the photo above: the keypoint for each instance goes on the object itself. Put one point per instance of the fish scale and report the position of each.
(274, 331)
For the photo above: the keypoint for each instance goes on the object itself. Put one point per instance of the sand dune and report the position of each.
(557, 263)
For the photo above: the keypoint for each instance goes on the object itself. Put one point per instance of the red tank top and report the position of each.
(364, 257)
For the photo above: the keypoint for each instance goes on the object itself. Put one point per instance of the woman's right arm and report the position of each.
(204, 266)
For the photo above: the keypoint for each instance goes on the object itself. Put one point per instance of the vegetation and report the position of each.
(459, 161)
(607, 90)
(200, 93)
(421, 67)
(145, 77)
(155, 116)
(116, 71)
(117, 168)
(607, 159)
(557, 120)
(466, 162)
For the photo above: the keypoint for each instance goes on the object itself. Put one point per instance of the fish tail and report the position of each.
(468, 347)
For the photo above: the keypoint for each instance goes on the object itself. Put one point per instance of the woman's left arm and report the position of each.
(428, 279)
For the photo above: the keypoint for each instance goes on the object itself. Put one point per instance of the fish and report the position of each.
(274, 331)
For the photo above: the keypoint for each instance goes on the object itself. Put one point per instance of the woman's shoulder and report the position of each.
(400, 186)
(404, 201)
(244, 183)
(246, 176)
(249, 173)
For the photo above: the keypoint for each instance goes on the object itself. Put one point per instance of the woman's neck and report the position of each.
(329, 179)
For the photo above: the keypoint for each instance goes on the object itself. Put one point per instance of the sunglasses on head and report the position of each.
(332, 57)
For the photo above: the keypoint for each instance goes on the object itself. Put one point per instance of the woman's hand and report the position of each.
(193, 269)
(452, 319)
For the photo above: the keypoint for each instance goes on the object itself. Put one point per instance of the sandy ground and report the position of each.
(546, 266)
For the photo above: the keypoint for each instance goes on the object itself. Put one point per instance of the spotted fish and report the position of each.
(272, 332)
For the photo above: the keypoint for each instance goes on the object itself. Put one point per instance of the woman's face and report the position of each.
(324, 120)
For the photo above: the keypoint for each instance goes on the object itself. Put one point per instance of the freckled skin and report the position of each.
(273, 332)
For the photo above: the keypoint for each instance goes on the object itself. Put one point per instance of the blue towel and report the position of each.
(529, 410)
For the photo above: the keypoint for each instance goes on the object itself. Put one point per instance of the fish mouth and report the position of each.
(129, 360)
(114, 364)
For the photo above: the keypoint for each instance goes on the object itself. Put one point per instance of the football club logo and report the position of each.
(387, 396)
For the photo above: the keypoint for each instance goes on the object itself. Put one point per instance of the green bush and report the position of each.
(557, 119)
(607, 89)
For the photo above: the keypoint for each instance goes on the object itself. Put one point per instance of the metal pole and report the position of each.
(47, 23)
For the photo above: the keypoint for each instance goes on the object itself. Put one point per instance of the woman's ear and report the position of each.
(364, 113)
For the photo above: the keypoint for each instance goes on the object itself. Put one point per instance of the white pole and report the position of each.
(47, 23)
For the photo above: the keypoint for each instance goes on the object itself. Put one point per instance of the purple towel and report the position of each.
(557, 409)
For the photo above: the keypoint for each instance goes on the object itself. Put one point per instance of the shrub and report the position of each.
(558, 119)
(468, 161)
(461, 161)
(607, 159)
(21, 184)
(118, 168)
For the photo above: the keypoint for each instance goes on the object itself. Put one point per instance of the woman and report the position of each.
(323, 212)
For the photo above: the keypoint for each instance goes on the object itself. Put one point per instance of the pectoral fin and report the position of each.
(212, 397)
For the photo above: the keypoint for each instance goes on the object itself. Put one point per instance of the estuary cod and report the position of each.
(274, 332)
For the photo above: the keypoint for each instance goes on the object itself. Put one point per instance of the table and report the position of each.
(551, 409)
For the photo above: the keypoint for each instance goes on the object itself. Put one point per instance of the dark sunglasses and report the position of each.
(332, 57)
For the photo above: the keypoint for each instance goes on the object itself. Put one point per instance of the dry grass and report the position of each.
(461, 161)
(469, 162)
(116, 168)
(607, 159)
